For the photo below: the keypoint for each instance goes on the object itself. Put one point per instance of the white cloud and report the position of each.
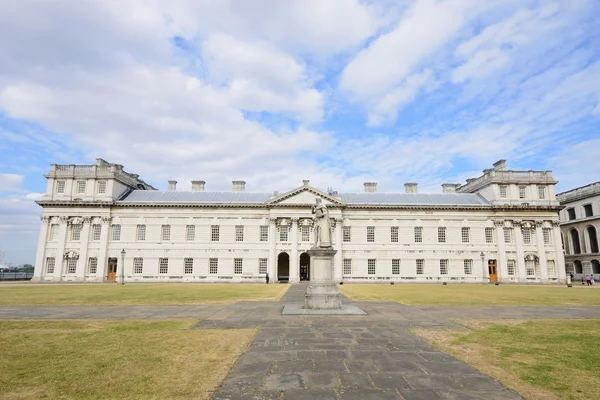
(10, 182)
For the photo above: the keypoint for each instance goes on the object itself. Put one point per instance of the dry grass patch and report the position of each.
(115, 359)
(476, 295)
(136, 294)
(540, 359)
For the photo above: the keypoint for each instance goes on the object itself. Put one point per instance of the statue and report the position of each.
(322, 225)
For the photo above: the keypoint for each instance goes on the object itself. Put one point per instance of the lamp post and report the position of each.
(123, 266)
(482, 255)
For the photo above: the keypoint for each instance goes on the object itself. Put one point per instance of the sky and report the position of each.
(273, 92)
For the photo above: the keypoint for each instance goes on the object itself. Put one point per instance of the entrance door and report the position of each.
(283, 267)
(112, 269)
(492, 269)
(304, 267)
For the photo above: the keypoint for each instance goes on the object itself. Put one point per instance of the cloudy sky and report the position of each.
(273, 92)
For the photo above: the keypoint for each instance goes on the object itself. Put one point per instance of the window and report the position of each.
(442, 234)
(522, 192)
(420, 266)
(237, 266)
(264, 233)
(394, 234)
(347, 234)
(587, 209)
(190, 233)
(141, 232)
(116, 232)
(166, 232)
(395, 267)
(541, 192)
(60, 186)
(239, 233)
(214, 233)
(101, 187)
(530, 267)
(138, 265)
(188, 265)
(92, 265)
(283, 233)
(96, 232)
(371, 267)
(213, 265)
(443, 267)
(526, 235)
(50, 265)
(510, 266)
(546, 233)
(80, 186)
(371, 234)
(551, 267)
(305, 233)
(347, 266)
(53, 232)
(503, 192)
(71, 265)
(571, 214)
(489, 235)
(76, 231)
(262, 265)
(466, 235)
(163, 265)
(468, 264)
(507, 235)
(418, 234)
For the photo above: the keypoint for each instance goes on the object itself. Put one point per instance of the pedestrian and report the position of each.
(267, 278)
(592, 279)
(571, 273)
(588, 280)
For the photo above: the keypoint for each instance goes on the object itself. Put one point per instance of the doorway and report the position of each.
(493, 271)
(112, 269)
(304, 267)
(283, 267)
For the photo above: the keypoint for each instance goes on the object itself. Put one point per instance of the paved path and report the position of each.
(340, 357)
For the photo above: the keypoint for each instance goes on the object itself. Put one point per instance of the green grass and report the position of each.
(135, 294)
(476, 295)
(114, 359)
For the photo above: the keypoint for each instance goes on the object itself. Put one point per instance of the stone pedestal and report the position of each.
(322, 292)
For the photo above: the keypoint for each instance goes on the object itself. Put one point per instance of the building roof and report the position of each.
(445, 199)
(157, 196)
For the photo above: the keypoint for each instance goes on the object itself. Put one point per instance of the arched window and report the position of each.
(578, 267)
(575, 240)
(592, 239)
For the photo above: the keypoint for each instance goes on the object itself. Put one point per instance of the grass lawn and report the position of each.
(114, 359)
(135, 294)
(475, 295)
(540, 359)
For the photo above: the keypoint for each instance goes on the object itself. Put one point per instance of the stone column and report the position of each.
(502, 264)
(40, 256)
(83, 249)
(60, 250)
(294, 269)
(273, 249)
(520, 253)
(337, 270)
(102, 260)
(560, 255)
(539, 236)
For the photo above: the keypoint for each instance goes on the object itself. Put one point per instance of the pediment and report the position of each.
(305, 195)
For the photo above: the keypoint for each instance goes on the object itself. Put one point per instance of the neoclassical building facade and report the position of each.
(100, 223)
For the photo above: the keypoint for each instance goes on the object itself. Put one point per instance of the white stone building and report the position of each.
(580, 222)
(101, 223)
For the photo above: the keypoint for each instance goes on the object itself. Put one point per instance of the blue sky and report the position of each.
(339, 92)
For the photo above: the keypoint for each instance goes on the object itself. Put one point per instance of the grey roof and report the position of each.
(446, 199)
(156, 196)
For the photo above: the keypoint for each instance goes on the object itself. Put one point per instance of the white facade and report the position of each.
(504, 223)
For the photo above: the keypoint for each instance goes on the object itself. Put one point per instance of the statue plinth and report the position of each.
(322, 292)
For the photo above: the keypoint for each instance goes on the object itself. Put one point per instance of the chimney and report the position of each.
(410, 187)
(370, 187)
(172, 185)
(500, 165)
(305, 182)
(198, 186)
(450, 187)
(238, 186)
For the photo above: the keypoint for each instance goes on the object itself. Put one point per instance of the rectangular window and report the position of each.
(166, 232)
(283, 233)
(101, 187)
(503, 192)
(571, 213)
(60, 186)
(371, 266)
(239, 233)
(418, 234)
(262, 265)
(305, 233)
(214, 233)
(347, 234)
(522, 192)
(188, 265)
(530, 267)
(163, 265)
(587, 209)
(507, 235)
(551, 268)
(489, 235)
(546, 233)
(395, 267)
(347, 266)
(50, 261)
(213, 265)
(53, 232)
(394, 234)
(141, 233)
(92, 265)
(420, 266)
(526, 235)
(442, 234)
(80, 186)
(138, 265)
(465, 234)
(443, 267)
(71, 266)
(96, 232)
(541, 192)
(468, 264)
(237, 266)
(371, 234)
(264, 233)
(116, 232)
(190, 233)
(510, 266)
(76, 232)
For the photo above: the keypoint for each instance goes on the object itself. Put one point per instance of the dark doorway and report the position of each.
(112, 269)
(578, 267)
(595, 267)
(283, 267)
(304, 267)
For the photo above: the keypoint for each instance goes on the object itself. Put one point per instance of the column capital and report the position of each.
(499, 222)
(272, 220)
(87, 220)
(539, 224)
(517, 222)
(295, 220)
(63, 219)
(555, 223)
(45, 219)
(106, 220)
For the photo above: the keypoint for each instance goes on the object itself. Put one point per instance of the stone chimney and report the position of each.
(198, 186)
(172, 185)
(370, 187)
(305, 182)
(238, 186)
(450, 187)
(410, 187)
(500, 165)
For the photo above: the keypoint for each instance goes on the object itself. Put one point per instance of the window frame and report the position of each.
(263, 265)
(213, 266)
(503, 191)
(188, 265)
(489, 235)
(61, 186)
(165, 233)
(465, 233)
(468, 266)
(81, 187)
(238, 266)
(370, 234)
(76, 232)
(215, 231)
(522, 192)
(190, 233)
(115, 232)
(50, 265)
(163, 266)
(444, 266)
(96, 232)
(239, 233)
(71, 266)
(418, 234)
(346, 234)
(371, 266)
(264, 233)
(441, 234)
(140, 233)
(102, 187)
(92, 265)
(347, 266)
(394, 234)
(420, 266)
(396, 266)
(138, 265)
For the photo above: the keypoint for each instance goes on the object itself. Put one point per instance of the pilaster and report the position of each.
(294, 269)
(60, 250)
(102, 260)
(40, 256)
(273, 249)
(83, 249)
(560, 255)
(539, 235)
(517, 225)
(502, 265)
(337, 270)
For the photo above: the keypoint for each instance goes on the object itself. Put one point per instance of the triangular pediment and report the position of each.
(305, 195)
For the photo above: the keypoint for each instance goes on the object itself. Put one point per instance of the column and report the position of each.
(520, 253)
(294, 269)
(102, 261)
(40, 256)
(272, 249)
(560, 255)
(337, 261)
(502, 265)
(60, 250)
(83, 248)
(539, 235)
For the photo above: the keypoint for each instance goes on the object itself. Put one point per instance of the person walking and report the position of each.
(588, 280)
(592, 280)
(267, 278)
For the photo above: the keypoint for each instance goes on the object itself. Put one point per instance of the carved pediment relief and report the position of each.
(303, 196)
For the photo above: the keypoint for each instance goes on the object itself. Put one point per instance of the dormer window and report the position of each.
(80, 186)
(522, 192)
(541, 192)
(60, 186)
(571, 214)
(587, 209)
(101, 187)
(503, 191)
